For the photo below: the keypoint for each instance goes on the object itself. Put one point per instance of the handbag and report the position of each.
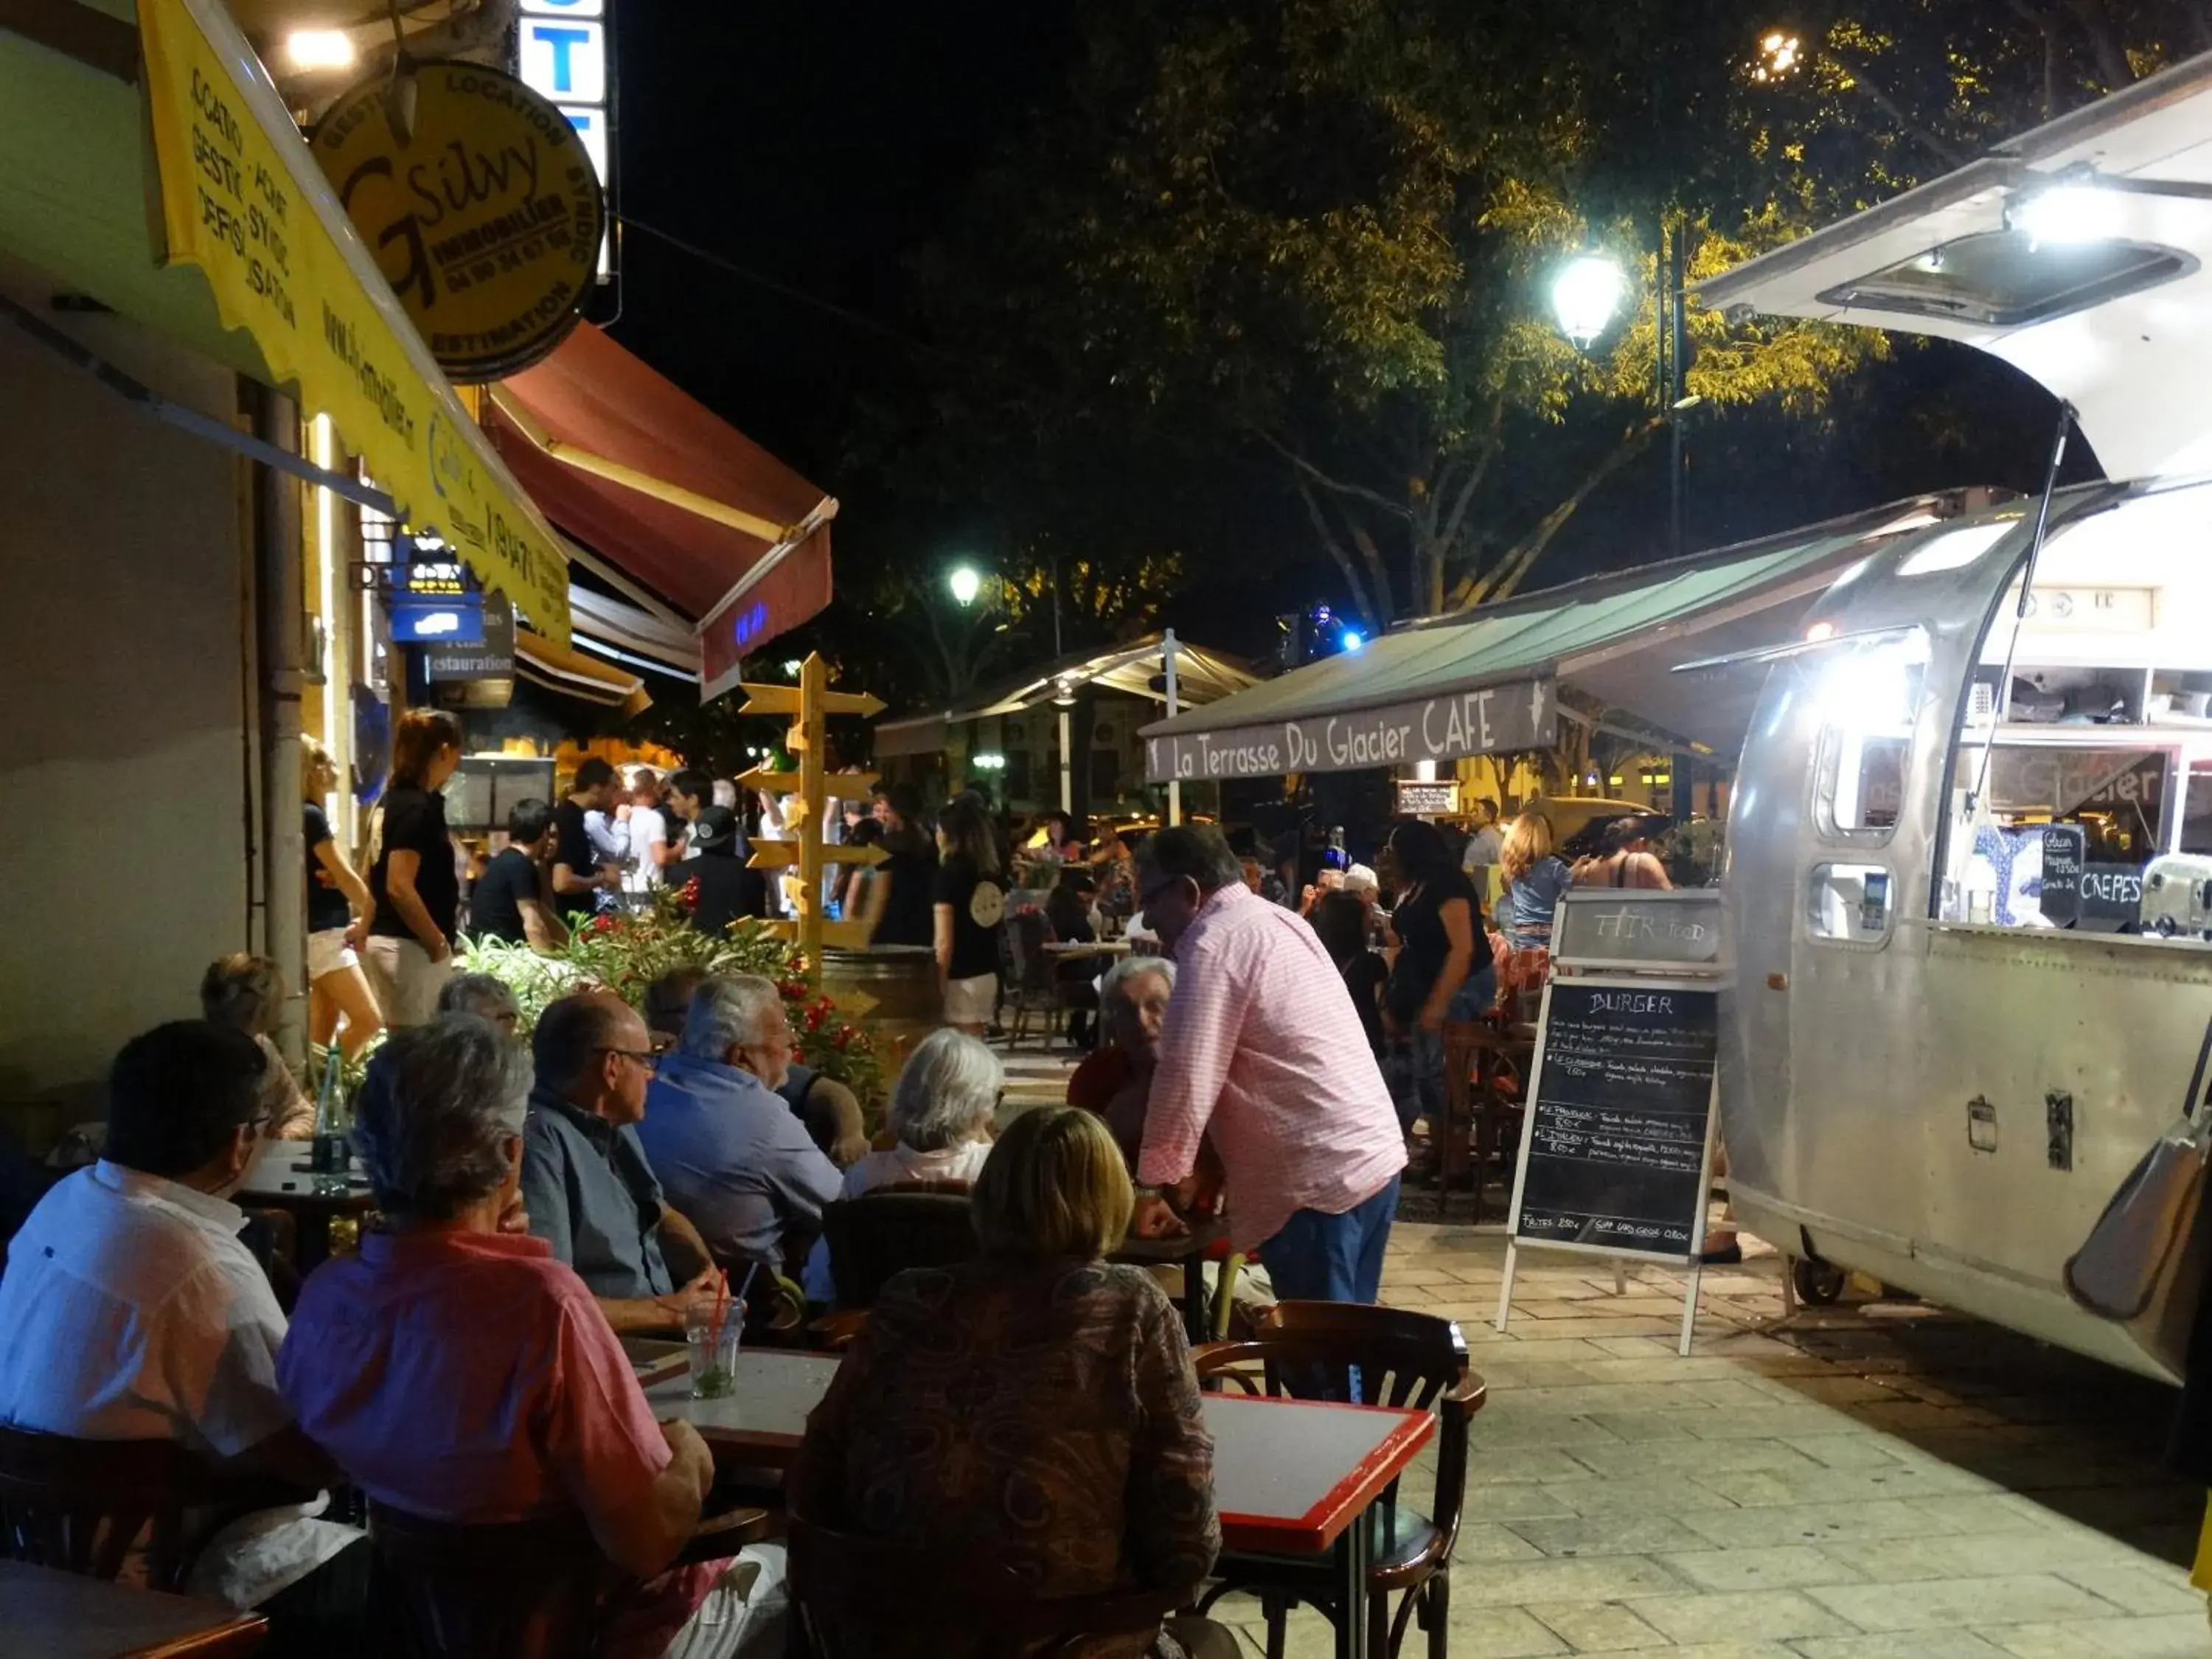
(2142, 1265)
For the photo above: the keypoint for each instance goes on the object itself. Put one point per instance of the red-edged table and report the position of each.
(1296, 1477)
(1291, 1477)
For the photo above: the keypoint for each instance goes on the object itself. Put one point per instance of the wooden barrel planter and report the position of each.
(900, 981)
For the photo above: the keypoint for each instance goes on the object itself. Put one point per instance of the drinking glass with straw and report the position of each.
(712, 1327)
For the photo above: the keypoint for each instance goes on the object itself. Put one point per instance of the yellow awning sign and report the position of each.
(243, 201)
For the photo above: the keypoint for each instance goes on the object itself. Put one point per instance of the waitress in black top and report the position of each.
(899, 893)
(1443, 971)
(968, 903)
(413, 882)
(338, 920)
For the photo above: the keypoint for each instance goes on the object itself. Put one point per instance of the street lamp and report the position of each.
(1586, 296)
(1778, 52)
(964, 583)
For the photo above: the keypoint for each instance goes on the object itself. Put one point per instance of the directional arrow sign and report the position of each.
(773, 855)
(770, 699)
(851, 702)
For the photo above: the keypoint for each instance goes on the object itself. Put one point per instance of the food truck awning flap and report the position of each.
(2075, 252)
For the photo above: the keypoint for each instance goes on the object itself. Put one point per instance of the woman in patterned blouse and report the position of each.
(1035, 1406)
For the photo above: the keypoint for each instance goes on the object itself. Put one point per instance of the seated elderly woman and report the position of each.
(246, 994)
(1116, 1080)
(1035, 1406)
(942, 1113)
(457, 1372)
(485, 995)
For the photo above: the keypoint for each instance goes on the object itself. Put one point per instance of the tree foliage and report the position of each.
(1323, 231)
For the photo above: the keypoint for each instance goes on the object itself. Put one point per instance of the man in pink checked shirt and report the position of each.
(1263, 1046)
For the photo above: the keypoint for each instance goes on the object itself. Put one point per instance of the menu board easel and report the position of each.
(1617, 1144)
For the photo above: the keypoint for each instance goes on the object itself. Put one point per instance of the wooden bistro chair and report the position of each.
(1484, 1074)
(916, 1224)
(1037, 987)
(1404, 1359)
(856, 1596)
(520, 1589)
(80, 1505)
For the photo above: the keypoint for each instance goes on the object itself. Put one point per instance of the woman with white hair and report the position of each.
(943, 1111)
(540, 1413)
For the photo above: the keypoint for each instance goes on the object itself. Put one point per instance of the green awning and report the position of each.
(1417, 684)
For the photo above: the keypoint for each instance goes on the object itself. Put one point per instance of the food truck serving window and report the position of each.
(1868, 694)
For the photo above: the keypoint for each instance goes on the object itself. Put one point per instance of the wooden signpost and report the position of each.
(808, 789)
(1617, 1146)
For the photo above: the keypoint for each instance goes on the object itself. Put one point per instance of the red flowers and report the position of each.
(603, 924)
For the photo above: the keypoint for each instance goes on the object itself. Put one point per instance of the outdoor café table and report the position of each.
(760, 1424)
(281, 1179)
(1299, 1477)
(63, 1615)
(1291, 1477)
(1186, 1250)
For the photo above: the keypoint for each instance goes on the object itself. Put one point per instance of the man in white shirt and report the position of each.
(134, 1312)
(650, 854)
(1484, 847)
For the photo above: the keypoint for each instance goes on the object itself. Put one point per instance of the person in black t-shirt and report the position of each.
(412, 881)
(899, 891)
(727, 890)
(1444, 970)
(968, 905)
(1340, 920)
(578, 876)
(508, 901)
(338, 907)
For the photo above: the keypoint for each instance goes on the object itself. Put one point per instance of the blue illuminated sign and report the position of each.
(751, 624)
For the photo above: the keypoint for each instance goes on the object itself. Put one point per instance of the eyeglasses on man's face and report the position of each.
(645, 1057)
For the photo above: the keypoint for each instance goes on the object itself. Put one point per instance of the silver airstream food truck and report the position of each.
(1970, 840)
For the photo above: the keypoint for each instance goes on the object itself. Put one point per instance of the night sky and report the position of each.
(819, 145)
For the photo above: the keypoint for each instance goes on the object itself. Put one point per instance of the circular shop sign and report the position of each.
(486, 218)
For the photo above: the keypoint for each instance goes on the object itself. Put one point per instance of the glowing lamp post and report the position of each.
(965, 584)
(1586, 297)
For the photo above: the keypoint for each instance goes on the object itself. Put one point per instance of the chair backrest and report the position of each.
(80, 1505)
(1411, 1360)
(521, 1589)
(1027, 931)
(858, 1596)
(891, 1229)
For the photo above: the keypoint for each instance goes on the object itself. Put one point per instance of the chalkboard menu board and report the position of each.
(2065, 849)
(1629, 927)
(1614, 1151)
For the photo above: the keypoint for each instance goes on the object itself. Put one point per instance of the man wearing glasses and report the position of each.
(586, 1185)
(133, 1312)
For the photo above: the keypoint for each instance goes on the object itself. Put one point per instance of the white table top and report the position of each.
(766, 1418)
(280, 1174)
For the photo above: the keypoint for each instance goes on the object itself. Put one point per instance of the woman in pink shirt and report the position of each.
(457, 1372)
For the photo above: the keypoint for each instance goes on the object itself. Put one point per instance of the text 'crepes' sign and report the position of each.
(1496, 719)
(485, 214)
(240, 203)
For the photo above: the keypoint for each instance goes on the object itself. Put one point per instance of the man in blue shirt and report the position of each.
(586, 1183)
(726, 1146)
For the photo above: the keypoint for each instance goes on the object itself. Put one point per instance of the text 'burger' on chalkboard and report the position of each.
(1615, 1140)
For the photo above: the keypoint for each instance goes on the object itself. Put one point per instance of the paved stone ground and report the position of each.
(1880, 1479)
(1874, 1480)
